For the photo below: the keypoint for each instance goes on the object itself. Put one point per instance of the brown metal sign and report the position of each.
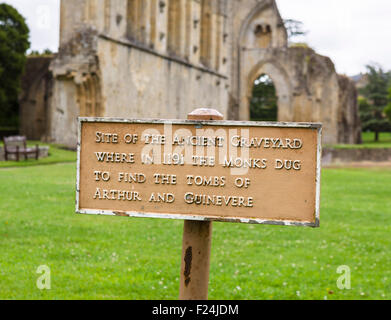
(251, 172)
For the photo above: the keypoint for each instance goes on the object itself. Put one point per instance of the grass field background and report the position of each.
(368, 141)
(96, 257)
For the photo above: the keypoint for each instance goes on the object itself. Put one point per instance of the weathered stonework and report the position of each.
(163, 58)
(333, 156)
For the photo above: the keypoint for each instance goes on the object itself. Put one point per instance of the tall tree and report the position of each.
(388, 108)
(374, 101)
(37, 53)
(294, 28)
(14, 42)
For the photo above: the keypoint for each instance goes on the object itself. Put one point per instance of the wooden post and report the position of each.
(196, 243)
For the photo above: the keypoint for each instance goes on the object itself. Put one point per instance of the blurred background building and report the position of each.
(163, 58)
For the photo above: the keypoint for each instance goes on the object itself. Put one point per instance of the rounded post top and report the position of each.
(205, 114)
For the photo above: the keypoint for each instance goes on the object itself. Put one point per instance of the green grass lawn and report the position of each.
(97, 257)
(368, 139)
(57, 154)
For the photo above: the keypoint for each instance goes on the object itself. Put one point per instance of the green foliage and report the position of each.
(263, 104)
(376, 91)
(97, 257)
(36, 53)
(384, 142)
(387, 111)
(374, 100)
(294, 28)
(299, 45)
(57, 154)
(14, 42)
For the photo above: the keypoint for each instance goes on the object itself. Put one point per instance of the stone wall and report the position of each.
(43, 153)
(307, 85)
(349, 129)
(149, 86)
(335, 156)
(164, 58)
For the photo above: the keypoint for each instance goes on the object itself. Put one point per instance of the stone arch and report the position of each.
(90, 13)
(153, 23)
(219, 32)
(107, 15)
(35, 98)
(256, 57)
(263, 34)
(131, 19)
(35, 101)
(188, 24)
(89, 97)
(281, 82)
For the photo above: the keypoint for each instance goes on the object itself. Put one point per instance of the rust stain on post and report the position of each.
(188, 259)
(121, 214)
(197, 238)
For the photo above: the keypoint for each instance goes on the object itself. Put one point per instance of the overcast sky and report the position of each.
(352, 33)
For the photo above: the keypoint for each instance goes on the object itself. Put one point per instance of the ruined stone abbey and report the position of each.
(164, 58)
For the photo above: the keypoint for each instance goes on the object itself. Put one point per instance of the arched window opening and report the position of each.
(263, 104)
(142, 21)
(218, 36)
(107, 14)
(88, 98)
(136, 20)
(90, 11)
(263, 33)
(206, 36)
(174, 26)
(258, 30)
(153, 31)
